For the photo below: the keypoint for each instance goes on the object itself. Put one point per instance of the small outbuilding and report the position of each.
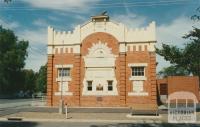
(173, 84)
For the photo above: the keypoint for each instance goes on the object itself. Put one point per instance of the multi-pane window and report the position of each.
(64, 72)
(137, 71)
(110, 85)
(89, 85)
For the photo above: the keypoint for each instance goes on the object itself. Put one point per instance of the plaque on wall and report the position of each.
(99, 99)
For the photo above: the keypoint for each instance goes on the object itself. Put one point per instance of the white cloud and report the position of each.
(37, 47)
(37, 39)
(34, 35)
(168, 33)
(172, 34)
(35, 60)
(40, 22)
(131, 20)
(53, 18)
(67, 5)
(9, 25)
(80, 17)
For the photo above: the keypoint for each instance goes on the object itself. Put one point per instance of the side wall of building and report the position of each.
(177, 84)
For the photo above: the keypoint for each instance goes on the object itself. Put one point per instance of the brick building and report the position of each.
(102, 63)
(173, 84)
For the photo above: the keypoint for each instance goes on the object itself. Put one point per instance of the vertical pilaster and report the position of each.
(153, 77)
(77, 78)
(122, 85)
(50, 80)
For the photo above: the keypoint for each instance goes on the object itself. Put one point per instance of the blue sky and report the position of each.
(30, 18)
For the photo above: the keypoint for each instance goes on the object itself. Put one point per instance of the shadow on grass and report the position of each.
(17, 124)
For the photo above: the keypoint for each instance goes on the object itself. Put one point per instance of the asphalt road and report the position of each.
(13, 103)
(3, 101)
(9, 106)
(79, 124)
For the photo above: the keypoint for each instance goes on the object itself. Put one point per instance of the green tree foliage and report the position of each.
(29, 81)
(196, 16)
(7, 1)
(187, 57)
(41, 82)
(13, 54)
(173, 71)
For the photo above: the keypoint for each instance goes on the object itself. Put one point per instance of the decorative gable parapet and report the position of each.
(122, 33)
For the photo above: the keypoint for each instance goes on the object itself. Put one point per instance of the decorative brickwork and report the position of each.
(112, 43)
(77, 77)
(99, 59)
(153, 78)
(50, 80)
(122, 86)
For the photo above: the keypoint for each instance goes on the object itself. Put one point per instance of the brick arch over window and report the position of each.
(91, 39)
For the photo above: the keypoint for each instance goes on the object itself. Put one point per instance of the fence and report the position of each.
(39, 99)
(182, 107)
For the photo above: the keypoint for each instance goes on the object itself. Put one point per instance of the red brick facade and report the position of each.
(173, 84)
(122, 72)
(64, 49)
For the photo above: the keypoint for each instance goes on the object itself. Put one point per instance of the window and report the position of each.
(163, 89)
(110, 85)
(89, 85)
(64, 72)
(137, 71)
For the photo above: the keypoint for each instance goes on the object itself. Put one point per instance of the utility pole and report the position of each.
(61, 104)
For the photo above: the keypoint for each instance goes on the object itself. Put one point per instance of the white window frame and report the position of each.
(110, 85)
(65, 78)
(136, 79)
(136, 70)
(88, 85)
(131, 65)
(62, 73)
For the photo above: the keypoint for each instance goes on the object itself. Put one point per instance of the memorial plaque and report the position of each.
(99, 99)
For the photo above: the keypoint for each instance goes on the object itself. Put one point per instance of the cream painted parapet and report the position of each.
(141, 35)
(61, 39)
(115, 29)
(50, 35)
(50, 40)
(122, 33)
(118, 30)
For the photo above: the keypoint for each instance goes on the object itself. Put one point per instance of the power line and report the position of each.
(136, 2)
(114, 5)
(36, 51)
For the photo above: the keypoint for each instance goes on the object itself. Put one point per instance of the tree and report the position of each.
(13, 54)
(196, 16)
(29, 84)
(41, 82)
(187, 57)
(173, 71)
(7, 1)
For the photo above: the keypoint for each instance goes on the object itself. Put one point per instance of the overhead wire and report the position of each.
(110, 5)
